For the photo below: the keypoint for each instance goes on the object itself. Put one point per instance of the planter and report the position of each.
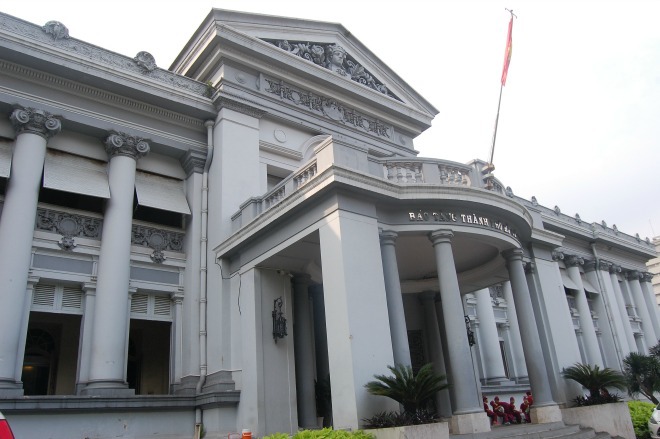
(437, 430)
(611, 418)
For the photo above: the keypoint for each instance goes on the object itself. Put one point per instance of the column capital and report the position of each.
(633, 275)
(34, 121)
(557, 256)
(573, 261)
(513, 254)
(118, 143)
(647, 277)
(614, 269)
(387, 237)
(440, 236)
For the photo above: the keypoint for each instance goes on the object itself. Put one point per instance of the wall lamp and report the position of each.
(279, 321)
(470, 334)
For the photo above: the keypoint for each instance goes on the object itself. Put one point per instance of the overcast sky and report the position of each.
(580, 118)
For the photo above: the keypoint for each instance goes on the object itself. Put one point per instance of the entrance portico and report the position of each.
(369, 257)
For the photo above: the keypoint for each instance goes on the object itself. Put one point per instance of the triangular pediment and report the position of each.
(311, 57)
(334, 58)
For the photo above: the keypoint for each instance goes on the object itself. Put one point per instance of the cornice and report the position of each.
(93, 54)
(97, 94)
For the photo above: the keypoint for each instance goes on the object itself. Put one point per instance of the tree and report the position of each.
(642, 373)
(412, 390)
(594, 378)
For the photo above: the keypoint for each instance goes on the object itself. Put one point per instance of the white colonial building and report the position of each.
(202, 248)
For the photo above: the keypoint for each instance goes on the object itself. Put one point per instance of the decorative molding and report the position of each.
(223, 102)
(145, 61)
(573, 261)
(534, 201)
(578, 219)
(69, 226)
(529, 267)
(557, 256)
(56, 29)
(96, 94)
(335, 58)
(34, 121)
(633, 275)
(123, 144)
(90, 53)
(157, 239)
(329, 108)
(193, 161)
(557, 211)
(647, 277)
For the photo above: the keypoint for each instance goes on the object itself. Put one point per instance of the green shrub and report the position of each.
(326, 433)
(640, 412)
(396, 419)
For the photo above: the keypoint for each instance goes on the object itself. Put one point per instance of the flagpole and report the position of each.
(490, 167)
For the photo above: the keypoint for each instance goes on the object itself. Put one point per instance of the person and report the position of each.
(524, 409)
(530, 400)
(510, 408)
(489, 412)
(499, 411)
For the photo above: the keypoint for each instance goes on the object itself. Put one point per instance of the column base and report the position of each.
(108, 389)
(545, 414)
(11, 389)
(469, 423)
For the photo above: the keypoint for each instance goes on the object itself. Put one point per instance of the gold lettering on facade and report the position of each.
(465, 218)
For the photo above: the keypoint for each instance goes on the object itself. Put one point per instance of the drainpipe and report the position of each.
(209, 124)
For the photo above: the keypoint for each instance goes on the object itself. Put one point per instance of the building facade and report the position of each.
(201, 249)
(654, 268)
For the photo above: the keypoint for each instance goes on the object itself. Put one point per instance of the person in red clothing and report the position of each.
(530, 400)
(500, 411)
(512, 411)
(489, 412)
(524, 409)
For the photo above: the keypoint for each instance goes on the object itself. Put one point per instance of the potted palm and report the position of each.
(415, 392)
(599, 410)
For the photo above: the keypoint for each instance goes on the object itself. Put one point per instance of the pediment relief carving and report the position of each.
(333, 57)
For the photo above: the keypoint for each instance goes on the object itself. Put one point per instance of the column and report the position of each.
(110, 327)
(398, 330)
(586, 321)
(89, 289)
(602, 271)
(303, 348)
(442, 400)
(463, 382)
(514, 331)
(29, 293)
(356, 316)
(608, 320)
(623, 310)
(645, 280)
(177, 346)
(33, 129)
(538, 376)
(490, 342)
(632, 278)
(321, 351)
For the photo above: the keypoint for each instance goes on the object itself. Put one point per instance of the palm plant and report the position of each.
(642, 373)
(412, 390)
(594, 378)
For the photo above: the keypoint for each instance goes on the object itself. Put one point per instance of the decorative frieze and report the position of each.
(158, 240)
(240, 107)
(328, 107)
(34, 121)
(335, 58)
(69, 226)
(124, 144)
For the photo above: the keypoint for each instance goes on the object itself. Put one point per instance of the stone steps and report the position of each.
(554, 430)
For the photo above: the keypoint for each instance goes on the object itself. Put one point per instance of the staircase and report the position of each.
(554, 430)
